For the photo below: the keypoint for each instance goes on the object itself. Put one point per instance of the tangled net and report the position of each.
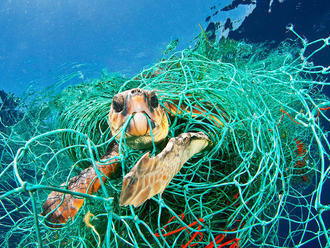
(264, 173)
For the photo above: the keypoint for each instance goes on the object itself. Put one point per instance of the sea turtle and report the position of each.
(150, 176)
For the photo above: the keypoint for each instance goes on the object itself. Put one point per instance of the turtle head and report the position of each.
(141, 109)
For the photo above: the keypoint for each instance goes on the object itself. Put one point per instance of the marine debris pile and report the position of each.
(265, 171)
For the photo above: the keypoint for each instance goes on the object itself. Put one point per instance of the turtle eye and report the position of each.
(154, 101)
(118, 103)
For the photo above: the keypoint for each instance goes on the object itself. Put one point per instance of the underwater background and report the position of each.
(42, 40)
(46, 46)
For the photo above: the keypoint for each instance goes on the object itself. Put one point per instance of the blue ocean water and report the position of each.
(40, 41)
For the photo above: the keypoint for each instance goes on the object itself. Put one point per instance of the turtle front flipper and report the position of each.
(59, 207)
(151, 175)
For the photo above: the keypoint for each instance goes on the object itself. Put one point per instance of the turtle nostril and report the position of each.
(135, 91)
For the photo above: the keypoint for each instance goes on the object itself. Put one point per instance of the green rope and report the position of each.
(265, 170)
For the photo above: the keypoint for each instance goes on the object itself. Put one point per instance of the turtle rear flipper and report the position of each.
(59, 207)
(151, 175)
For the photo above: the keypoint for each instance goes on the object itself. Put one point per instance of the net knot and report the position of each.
(24, 186)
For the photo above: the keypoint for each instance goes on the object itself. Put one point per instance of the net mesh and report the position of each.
(264, 173)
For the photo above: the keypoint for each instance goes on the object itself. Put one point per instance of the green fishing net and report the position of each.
(264, 173)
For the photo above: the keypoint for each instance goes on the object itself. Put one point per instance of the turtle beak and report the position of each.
(139, 124)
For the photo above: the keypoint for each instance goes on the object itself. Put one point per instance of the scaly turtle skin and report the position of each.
(150, 175)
